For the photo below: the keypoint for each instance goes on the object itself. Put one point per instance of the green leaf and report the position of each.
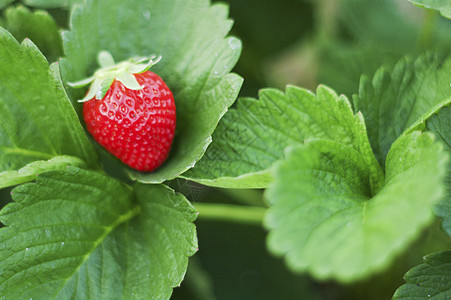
(250, 138)
(81, 235)
(38, 26)
(4, 3)
(322, 216)
(30, 171)
(37, 120)
(397, 100)
(369, 43)
(342, 64)
(52, 3)
(444, 6)
(361, 20)
(440, 125)
(429, 280)
(196, 61)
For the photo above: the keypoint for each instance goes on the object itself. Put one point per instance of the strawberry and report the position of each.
(130, 111)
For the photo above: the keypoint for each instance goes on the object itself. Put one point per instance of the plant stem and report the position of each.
(430, 19)
(326, 12)
(247, 197)
(252, 215)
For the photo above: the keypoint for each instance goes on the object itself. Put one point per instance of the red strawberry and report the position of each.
(131, 114)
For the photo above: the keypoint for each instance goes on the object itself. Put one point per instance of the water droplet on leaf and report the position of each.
(147, 15)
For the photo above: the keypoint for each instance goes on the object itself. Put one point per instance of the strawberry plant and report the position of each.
(321, 171)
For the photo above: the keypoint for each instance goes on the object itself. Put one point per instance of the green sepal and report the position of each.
(81, 83)
(104, 87)
(129, 81)
(105, 59)
(104, 77)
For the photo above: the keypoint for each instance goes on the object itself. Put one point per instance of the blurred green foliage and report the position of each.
(306, 43)
(266, 28)
(302, 42)
(329, 41)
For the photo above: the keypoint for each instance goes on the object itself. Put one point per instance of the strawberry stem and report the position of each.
(252, 215)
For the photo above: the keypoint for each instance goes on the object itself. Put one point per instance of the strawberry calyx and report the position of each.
(109, 71)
